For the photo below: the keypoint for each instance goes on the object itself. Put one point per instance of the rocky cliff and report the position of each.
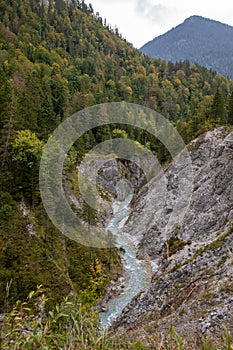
(192, 260)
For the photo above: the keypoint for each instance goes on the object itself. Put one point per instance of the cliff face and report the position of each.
(192, 262)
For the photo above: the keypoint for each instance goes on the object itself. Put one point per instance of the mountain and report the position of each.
(199, 40)
(57, 58)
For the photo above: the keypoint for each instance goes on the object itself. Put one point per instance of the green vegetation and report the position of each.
(173, 245)
(47, 257)
(56, 58)
(73, 324)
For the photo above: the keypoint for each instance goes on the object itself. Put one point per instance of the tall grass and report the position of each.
(74, 325)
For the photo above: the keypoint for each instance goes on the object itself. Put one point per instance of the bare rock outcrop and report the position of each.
(192, 260)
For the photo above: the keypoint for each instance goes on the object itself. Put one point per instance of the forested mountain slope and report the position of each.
(199, 40)
(56, 58)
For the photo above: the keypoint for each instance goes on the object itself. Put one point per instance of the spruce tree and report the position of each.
(218, 110)
(230, 110)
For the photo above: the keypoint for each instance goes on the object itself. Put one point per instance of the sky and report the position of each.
(140, 21)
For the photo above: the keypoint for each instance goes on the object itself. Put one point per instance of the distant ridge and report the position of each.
(199, 40)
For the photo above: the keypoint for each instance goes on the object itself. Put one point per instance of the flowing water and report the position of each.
(135, 268)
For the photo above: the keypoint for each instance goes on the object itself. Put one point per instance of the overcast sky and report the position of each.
(142, 20)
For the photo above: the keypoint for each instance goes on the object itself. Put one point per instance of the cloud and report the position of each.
(154, 12)
(141, 6)
(141, 20)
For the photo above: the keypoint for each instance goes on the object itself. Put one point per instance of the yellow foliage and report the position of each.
(98, 267)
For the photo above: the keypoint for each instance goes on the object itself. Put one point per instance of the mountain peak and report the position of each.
(198, 39)
(196, 18)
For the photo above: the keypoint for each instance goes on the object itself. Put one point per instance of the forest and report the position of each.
(56, 58)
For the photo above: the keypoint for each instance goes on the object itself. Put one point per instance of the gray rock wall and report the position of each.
(192, 261)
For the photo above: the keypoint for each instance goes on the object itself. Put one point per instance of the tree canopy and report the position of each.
(56, 58)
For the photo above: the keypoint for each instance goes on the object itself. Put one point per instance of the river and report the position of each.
(135, 268)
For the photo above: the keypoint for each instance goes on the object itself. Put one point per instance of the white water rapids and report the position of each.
(135, 268)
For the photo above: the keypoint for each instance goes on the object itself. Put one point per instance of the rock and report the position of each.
(104, 307)
(191, 287)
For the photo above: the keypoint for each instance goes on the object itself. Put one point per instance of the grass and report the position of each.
(173, 245)
(73, 325)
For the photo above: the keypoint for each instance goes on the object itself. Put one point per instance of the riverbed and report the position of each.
(136, 269)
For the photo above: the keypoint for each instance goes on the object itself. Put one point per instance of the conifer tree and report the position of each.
(230, 110)
(218, 110)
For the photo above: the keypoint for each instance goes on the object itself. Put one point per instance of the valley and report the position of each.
(147, 262)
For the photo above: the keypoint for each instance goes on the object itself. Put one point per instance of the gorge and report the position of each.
(191, 286)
